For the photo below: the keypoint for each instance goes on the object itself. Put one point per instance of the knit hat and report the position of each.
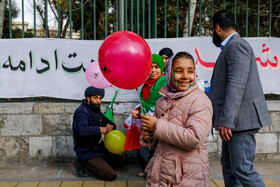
(158, 60)
(166, 51)
(92, 91)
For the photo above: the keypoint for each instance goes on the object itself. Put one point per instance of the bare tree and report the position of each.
(192, 13)
(63, 19)
(2, 13)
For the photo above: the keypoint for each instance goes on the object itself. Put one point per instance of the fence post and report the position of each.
(144, 21)
(120, 14)
(70, 17)
(46, 17)
(58, 17)
(82, 18)
(10, 18)
(22, 17)
(34, 18)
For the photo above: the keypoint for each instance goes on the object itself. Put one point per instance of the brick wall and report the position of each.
(42, 130)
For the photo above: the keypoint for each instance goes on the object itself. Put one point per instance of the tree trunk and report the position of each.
(192, 13)
(2, 13)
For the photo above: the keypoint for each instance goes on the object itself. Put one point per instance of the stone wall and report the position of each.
(42, 130)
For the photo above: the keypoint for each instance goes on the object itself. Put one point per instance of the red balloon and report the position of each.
(125, 59)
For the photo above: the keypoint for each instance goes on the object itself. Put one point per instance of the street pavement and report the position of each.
(52, 174)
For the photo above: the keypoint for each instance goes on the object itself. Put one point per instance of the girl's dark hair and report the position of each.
(183, 54)
(166, 51)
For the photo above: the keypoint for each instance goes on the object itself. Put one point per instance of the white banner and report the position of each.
(55, 67)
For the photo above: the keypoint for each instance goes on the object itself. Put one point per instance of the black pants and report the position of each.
(103, 167)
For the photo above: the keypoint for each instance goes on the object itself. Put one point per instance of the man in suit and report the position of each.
(238, 102)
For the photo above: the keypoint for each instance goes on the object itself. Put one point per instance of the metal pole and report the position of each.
(155, 19)
(189, 18)
(46, 17)
(82, 18)
(270, 12)
(258, 28)
(235, 11)
(120, 20)
(200, 18)
(131, 15)
(212, 8)
(247, 4)
(138, 16)
(177, 20)
(149, 19)
(34, 17)
(165, 18)
(22, 15)
(125, 15)
(144, 23)
(58, 15)
(70, 17)
(10, 19)
(94, 19)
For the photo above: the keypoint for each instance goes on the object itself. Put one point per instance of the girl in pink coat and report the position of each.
(179, 129)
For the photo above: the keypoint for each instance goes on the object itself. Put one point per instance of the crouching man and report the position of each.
(89, 124)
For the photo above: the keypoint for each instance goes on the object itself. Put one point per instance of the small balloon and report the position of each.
(114, 141)
(95, 77)
(125, 59)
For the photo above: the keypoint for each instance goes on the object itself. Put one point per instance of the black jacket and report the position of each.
(86, 122)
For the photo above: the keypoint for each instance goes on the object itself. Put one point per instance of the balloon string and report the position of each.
(141, 103)
(102, 136)
(122, 98)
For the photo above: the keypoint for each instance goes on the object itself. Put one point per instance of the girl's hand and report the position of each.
(148, 122)
(135, 114)
(147, 135)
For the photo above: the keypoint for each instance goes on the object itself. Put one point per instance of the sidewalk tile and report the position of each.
(212, 184)
(115, 184)
(136, 183)
(28, 184)
(71, 184)
(219, 182)
(8, 184)
(94, 183)
(50, 184)
(271, 182)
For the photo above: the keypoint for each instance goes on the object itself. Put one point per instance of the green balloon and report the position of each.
(114, 141)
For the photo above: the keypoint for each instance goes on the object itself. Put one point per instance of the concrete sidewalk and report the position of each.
(64, 174)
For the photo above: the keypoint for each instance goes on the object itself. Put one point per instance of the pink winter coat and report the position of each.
(182, 130)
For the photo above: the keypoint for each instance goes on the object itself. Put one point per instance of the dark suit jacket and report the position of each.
(236, 91)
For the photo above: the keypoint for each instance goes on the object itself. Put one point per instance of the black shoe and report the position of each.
(80, 169)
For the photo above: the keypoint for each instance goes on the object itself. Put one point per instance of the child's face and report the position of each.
(155, 71)
(184, 73)
(165, 59)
